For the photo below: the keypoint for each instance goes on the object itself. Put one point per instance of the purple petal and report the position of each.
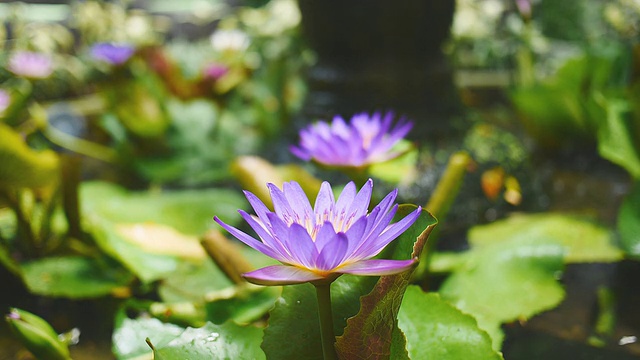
(333, 254)
(373, 247)
(300, 153)
(346, 198)
(301, 246)
(298, 201)
(249, 240)
(377, 267)
(393, 231)
(325, 235)
(324, 200)
(258, 206)
(281, 275)
(267, 238)
(280, 203)
(360, 205)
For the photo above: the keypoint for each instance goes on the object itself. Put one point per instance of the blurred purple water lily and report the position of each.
(30, 64)
(114, 54)
(365, 140)
(319, 244)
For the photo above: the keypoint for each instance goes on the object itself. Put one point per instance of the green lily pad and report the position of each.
(629, 223)
(584, 241)
(211, 342)
(189, 212)
(74, 277)
(242, 304)
(507, 281)
(435, 329)
(192, 282)
(153, 234)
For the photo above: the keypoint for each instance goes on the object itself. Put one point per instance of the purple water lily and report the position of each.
(30, 64)
(114, 54)
(319, 244)
(364, 141)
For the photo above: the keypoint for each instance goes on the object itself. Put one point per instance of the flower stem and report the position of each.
(323, 292)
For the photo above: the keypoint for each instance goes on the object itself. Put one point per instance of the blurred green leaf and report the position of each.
(584, 241)
(22, 166)
(435, 329)
(629, 222)
(242, 304)
(616, 141)
(192, 282)
(190, 211)
(211, 342)
(74, 277)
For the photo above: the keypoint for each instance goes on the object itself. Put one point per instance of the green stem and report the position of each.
(439, 204)
(323, 292)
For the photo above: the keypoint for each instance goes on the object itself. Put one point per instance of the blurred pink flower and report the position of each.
(30, 64)
(214, 71)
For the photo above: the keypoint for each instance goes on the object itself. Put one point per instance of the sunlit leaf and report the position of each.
(435, 329)
(74, 277)
(211, 342)
(161, 239)
(129, 336)
(507, 281)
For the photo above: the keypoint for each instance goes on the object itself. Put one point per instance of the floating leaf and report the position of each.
(114, 216)
(507, 281)
(435, 329)
(629, 222)
(211, 342)
(189, 212)
(74, 277)
(192, 282)
(584, 241)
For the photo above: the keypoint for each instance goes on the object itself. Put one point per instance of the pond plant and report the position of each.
(124, 140)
